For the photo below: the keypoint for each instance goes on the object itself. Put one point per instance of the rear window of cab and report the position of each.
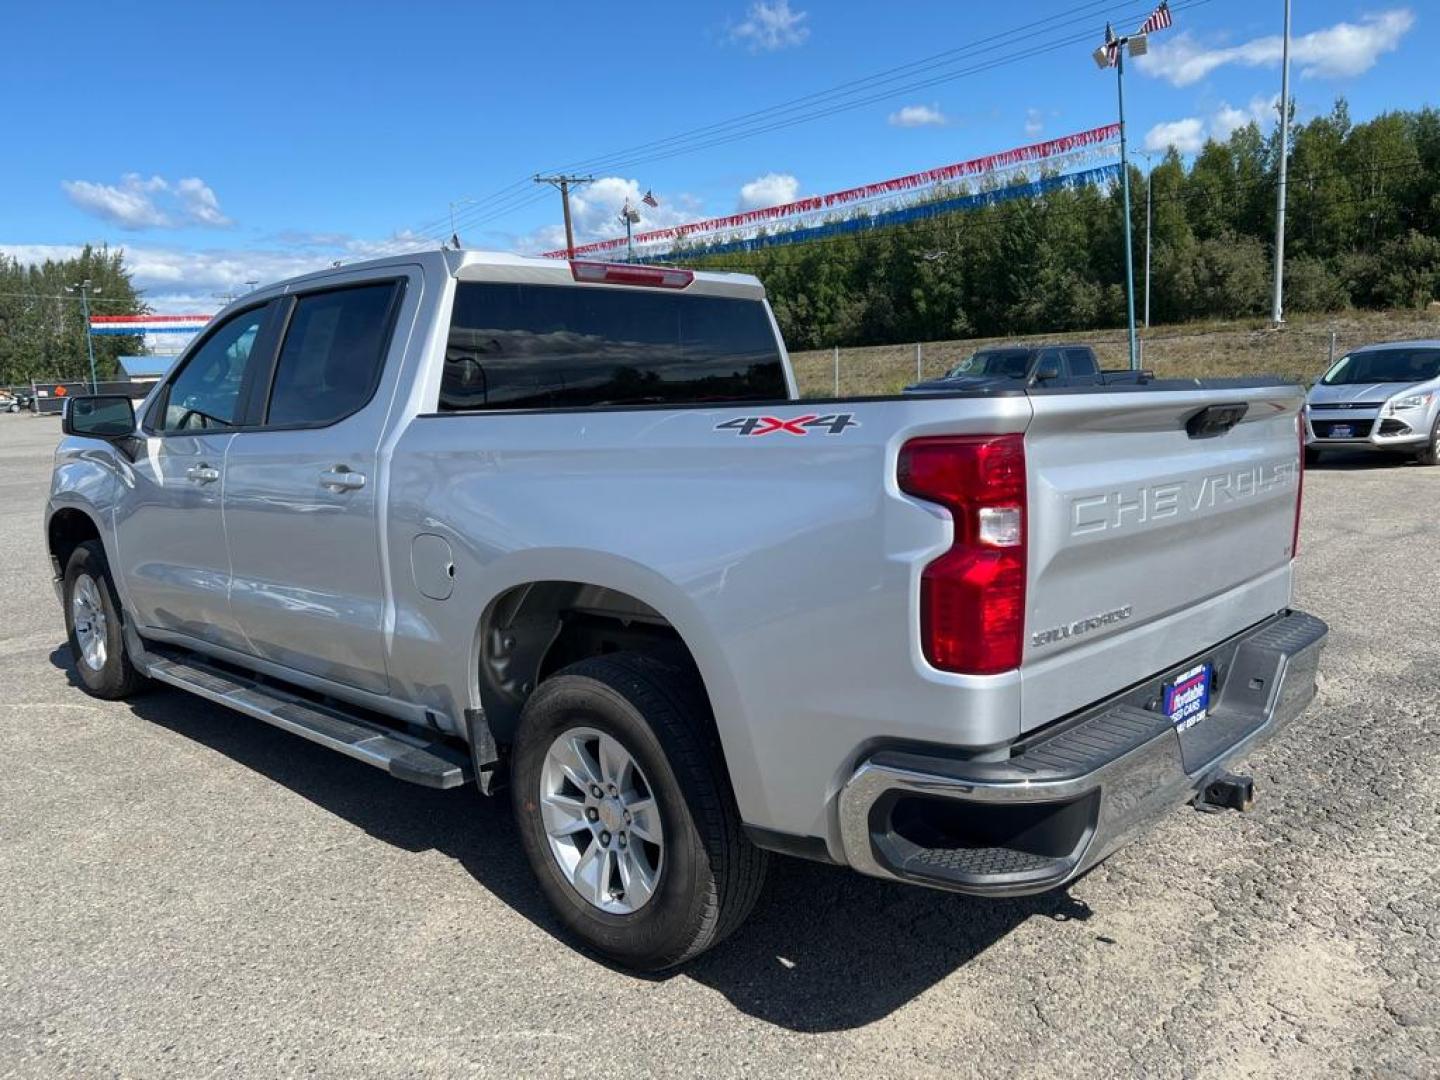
(521, 346)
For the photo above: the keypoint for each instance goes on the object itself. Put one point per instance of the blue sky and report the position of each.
(220, 143)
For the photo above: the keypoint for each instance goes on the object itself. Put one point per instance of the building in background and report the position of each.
(145, 371)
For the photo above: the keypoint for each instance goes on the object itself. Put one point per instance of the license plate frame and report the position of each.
(1185, 699)
(1342, 431)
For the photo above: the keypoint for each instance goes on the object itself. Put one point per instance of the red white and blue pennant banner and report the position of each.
(147, 324)
(1052, 155)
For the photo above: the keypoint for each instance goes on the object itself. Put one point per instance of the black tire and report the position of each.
(115, 676)
(1431, 454)
(710, 874)
(1312, 456)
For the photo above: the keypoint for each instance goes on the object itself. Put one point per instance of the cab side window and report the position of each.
(332, 355)
(205, 394)
(1049, 366)
(1082, 362)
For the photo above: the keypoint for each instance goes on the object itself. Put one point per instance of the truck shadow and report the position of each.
(826, 949)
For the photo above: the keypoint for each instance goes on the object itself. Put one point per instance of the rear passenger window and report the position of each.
(553, 346)
(332, 355)
(1082, 361)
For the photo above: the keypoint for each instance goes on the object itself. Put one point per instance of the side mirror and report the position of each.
(105, 416)
(1049, 369)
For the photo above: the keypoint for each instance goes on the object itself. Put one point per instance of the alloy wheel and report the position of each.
(601, 820)
(87, 616)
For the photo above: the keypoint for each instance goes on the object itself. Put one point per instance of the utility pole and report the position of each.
(1277, 309)
(83, 288)
(563, 182)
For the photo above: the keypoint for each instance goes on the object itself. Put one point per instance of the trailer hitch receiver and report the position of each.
(1228, 791)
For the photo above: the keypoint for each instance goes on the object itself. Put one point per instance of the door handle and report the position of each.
(342, 478)
(202, 474)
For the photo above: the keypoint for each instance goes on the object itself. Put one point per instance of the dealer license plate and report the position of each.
(1187, 698)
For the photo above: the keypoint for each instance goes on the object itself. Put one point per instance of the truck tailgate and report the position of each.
(1149, 542)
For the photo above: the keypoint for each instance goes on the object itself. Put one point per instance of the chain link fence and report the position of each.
(1301, 353)
(48, 398)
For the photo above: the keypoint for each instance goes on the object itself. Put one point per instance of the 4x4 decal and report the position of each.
(832, 424)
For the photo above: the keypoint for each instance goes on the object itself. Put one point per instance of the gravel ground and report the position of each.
(187, 892)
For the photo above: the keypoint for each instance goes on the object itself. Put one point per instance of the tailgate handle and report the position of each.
(1215, 420)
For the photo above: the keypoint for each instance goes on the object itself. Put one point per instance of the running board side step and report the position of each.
(402, 755)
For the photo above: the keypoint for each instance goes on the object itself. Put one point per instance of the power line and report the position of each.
(769, 119)
(74, 299)
(850, 87)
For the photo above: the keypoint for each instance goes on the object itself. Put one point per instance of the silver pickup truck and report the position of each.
(565, 528)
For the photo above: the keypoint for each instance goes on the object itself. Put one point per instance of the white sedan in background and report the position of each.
(1380, 397)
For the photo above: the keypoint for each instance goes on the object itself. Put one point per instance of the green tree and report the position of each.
(42, 326)
(1363, 228)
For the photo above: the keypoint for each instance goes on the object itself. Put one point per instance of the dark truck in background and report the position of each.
(1003, 366)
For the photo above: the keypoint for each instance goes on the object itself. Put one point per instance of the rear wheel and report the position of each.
(1431, 454)
(93, 624)
(625, 812)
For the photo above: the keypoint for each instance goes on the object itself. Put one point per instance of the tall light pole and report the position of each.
(1277, 309)
(1112, 53)
(629, 216)
(1149, 170)
(83, 288)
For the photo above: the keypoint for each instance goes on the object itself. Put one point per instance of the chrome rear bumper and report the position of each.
(1071, 795)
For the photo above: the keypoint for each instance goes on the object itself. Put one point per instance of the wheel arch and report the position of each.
(534, 623)
(67, 528)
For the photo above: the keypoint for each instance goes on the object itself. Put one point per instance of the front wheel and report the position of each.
(625, 812)
(1431, 454)
(93, 625)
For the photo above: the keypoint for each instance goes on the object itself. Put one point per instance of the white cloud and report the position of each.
(771, 26)
(595, 209)
(1338, 51)
(1190, 134)
(200, 203)
(1228, 119)
(129, 204)
(595, 215)
(1187, 136)
(772, 189)
(918, 116)
(154, 203)
(185, 280)
(1034, 122)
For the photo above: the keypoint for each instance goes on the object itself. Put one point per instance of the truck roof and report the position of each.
(501, 266)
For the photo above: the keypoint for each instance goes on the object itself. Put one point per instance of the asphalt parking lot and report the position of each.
(187, 892)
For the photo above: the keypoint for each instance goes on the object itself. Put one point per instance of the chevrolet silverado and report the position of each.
(566, 529)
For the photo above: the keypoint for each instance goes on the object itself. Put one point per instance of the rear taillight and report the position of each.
(1299, 485)
(655, 277)
(972, 598)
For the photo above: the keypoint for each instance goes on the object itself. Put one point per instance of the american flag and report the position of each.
(1159, 19)
(1112, 46)
(649, 197)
